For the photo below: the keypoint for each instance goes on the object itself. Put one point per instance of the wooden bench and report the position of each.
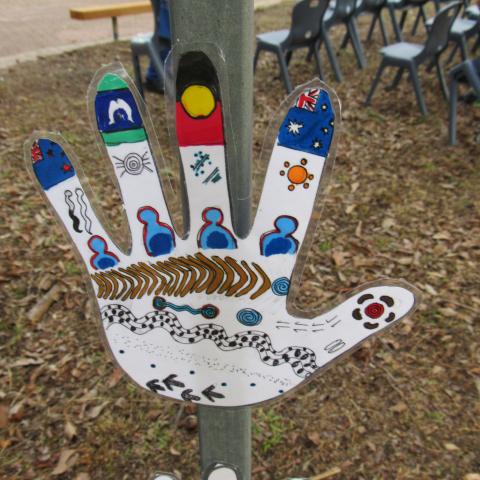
(113, 11)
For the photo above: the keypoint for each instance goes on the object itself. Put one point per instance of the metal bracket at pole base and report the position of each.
(216, 471)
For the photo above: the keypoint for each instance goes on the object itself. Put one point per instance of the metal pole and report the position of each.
(115, 28)
(225, 434)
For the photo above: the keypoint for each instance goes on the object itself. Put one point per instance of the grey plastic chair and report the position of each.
(473, 12)
(405, 6)
(462, 30)
(150, 44)
(467, 72)
(409, 56)
(342, 12)
(304, 32)
(375, 8)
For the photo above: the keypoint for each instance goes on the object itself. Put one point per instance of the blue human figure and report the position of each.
(280, 241)
(213, 234)
(101, 258)
(158, 237)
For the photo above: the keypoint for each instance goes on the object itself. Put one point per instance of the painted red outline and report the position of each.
(207, 223)
(95, 254)
(275, 230)
(157, 219)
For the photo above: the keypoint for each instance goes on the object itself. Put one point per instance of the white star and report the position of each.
(294, 127)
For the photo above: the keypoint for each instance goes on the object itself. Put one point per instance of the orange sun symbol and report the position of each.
(297, 175)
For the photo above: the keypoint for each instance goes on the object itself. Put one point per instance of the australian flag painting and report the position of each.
(50, 163)
(309, 124)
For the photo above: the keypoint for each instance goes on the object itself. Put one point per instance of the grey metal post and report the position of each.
(225, 434)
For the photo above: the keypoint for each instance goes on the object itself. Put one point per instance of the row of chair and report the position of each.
(310, 26)
(313, 19)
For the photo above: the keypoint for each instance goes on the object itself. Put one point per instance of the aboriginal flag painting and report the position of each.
(199, 118)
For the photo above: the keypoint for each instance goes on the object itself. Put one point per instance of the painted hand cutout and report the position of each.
(204, 318)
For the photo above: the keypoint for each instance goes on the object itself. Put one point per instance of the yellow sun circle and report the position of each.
(198, 101)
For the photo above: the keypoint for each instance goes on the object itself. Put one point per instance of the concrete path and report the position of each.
(32, 28)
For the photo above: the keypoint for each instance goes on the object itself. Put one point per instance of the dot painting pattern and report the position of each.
(297, 174)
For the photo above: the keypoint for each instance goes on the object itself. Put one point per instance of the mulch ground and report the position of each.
(401, 203)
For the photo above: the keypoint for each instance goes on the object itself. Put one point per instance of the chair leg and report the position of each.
(375, 83)
(397, 78)
(372, 26)
(418, 91)
(477, 44)
(345, 40)
(357, 45)
(464, 48)
(318, 61)
(332, 57)
(452, 113)
(288, 57)
(284, 71)
(452, 54)
(441, 78)
(138, 74)
(403, 18)
(396, 27)
(423, 14)
(417, 21)
(255, 58)
(383, 29)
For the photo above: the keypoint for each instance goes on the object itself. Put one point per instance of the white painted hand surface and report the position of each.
(204, 318)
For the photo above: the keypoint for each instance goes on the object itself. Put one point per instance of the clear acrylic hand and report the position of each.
(204, 318)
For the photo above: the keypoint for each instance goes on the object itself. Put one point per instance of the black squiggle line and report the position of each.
(71, 211)
(83, 210)
(301, 359)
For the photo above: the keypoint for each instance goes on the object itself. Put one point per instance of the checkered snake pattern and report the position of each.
(301, 359)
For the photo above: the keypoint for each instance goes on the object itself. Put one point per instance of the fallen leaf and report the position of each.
(442, 236)
(472, 476)
(25, 362)
(399, 407)
(96, 411)
(338, 257)
(429, 289)
(16, 412)
(388, 223)
(68, 458)
(41, 307)
(82, 476)
(115, 377)
(173, 451)
(451, 447)
(3, 416)
(329, 473)
(314, 437)
(350, 209)
(70, 430)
